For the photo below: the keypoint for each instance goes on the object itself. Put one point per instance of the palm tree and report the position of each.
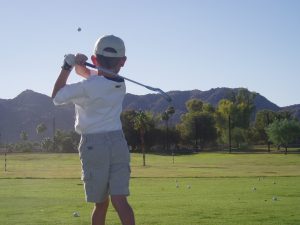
(24, 136)
(40, 129)
(141, 125)
(165, 117)
(46, 144)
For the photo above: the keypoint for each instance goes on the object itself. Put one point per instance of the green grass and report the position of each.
(198, 165)
(274, 149)
(46, 189)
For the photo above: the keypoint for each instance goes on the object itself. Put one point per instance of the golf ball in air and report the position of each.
(79, 29)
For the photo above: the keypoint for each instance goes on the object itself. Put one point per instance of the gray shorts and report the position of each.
(105, 161)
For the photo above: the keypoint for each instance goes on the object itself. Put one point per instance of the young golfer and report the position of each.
(103, 149)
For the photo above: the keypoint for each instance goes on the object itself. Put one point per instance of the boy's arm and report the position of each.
(80, 67)
(64, 74)
(61, 81)
(82, 71)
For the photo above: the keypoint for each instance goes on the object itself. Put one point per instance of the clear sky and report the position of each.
(171, 44)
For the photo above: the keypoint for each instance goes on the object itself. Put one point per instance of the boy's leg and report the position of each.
(99, 213)
(123, 209)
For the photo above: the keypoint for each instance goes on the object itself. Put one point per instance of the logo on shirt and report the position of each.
(117, 86)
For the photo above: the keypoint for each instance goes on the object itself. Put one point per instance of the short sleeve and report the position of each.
(69, 93)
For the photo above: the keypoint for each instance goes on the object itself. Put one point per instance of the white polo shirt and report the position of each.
(98, 103)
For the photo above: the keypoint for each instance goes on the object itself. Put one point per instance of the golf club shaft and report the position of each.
(113, 74)
(167, 97)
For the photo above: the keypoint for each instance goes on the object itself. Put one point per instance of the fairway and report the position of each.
(205, 188)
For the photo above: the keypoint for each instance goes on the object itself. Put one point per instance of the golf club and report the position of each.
(167, 97)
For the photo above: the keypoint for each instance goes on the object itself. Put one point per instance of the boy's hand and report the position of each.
(80, 59)
(80, 68)
(69, 62)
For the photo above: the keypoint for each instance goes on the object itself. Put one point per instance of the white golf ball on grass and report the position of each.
(76, 214)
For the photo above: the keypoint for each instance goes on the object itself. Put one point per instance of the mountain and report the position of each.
(156, 104)
(29, 108)
(26, 111)
(294, 109)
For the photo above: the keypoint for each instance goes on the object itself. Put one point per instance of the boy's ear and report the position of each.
(94, 60)
(122, 61)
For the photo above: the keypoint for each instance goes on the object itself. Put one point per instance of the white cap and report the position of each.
(110, 41)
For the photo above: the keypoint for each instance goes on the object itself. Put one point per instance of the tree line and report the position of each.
(230, 125)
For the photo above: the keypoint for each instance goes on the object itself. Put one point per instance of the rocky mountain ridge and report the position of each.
(29, 108)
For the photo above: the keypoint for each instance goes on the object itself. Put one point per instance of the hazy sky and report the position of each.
(171, 44)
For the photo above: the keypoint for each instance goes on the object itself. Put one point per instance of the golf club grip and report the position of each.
(90, 65)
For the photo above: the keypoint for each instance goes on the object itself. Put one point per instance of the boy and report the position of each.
(103, 149)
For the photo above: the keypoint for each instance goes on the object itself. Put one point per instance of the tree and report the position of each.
(173, 137)
(283, 132)
(142, 123)
(234, 112)
(194, 105)
(131, 134)
(66, 141)
(198, 124)
(166, 115)
(245, 107)
(47, 144)
(238, 136)
(208, 108)
(225, 109)
(281, 115)
(198, 127)
(24, 136)
(40, 129)
(262, 120)
(25, 146)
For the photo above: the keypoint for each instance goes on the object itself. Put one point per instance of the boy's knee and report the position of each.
(119, 201)
(102, 205)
